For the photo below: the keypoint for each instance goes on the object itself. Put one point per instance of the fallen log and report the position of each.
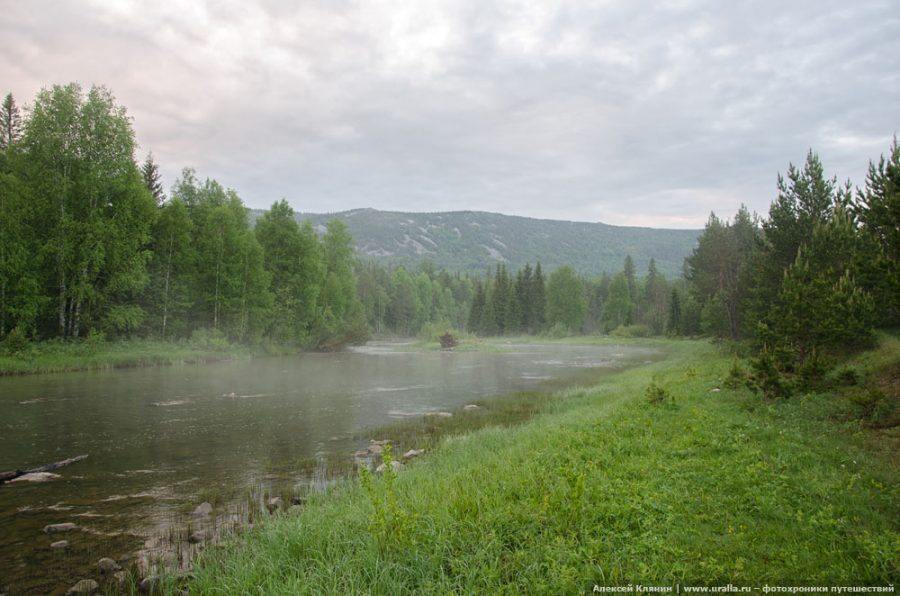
(12, 475)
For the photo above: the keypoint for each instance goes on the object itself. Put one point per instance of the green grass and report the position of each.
(53, 356)
(604, 487)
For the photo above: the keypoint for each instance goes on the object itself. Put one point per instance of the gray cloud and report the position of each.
(623, 112)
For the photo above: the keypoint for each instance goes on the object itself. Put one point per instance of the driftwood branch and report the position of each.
(7, 476)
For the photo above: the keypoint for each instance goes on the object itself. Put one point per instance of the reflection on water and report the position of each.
(160, 439)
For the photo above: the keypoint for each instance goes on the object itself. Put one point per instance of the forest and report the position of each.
(94, 248)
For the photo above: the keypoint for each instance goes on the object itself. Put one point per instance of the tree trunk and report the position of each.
(166, 290)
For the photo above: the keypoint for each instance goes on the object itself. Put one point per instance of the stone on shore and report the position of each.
(85, 586)
(203, 508)
(395, 465)
(413, 453)
(59, 544)
(59, 528)
(107, 565)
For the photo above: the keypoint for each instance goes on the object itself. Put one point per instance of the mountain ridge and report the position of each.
(476, 241)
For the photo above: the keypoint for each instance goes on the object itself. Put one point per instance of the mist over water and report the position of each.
(160, 439)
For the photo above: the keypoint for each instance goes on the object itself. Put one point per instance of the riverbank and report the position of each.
(53, 356)
(603, 487)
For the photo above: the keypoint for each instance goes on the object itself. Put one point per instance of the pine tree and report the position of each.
(153, 179)
(10, 123)
(537, 302)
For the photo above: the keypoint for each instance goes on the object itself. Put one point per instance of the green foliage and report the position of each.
(558, 330)
(390, 525)
(657, 394)
(16, 342)
(631, 331)
(565, 299)
(767, 379)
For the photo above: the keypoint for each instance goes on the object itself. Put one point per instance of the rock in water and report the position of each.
(59, 544)
(203, 508)
(470, 407)
(58, 528)
(36, 477)
(197, 537)
(85, 586)
(107, 565)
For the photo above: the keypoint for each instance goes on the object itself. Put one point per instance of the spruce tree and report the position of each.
(153, 179)
(10, 123)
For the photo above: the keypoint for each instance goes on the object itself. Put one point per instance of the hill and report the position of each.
(473, 241)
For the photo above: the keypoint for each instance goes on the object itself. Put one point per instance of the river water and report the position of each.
(161, 440)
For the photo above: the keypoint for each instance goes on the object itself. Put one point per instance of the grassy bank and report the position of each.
(44, 357)
(604, 487)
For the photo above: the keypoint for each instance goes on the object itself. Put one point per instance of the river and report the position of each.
(161, 440)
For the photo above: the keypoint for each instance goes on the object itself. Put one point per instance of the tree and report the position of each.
(717, 270)
(171, 269)
(655, 300)
(805, 199)
(565, 299)
(537, 302)
(294, 261)
(877, 208)
(94, 211)
(152, 179)
(10, 123)
(629, 271)
(342, 317)
(618, 308)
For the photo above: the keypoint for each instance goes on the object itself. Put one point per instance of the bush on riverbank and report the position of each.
(604, 489)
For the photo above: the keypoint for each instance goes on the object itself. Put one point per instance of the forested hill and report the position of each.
(473, 241)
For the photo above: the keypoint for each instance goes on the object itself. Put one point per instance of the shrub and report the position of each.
(559, 330)
(737, 376)
(656, 394)
(631, 331)
(16, 342)
(767, 379)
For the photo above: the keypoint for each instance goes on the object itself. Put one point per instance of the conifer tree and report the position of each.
(11, 127)
(153, 179)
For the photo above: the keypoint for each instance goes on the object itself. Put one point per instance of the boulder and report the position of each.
(203, 508)
(274, 504)
(149, 584)
(197, 537)
(59, 544)
(375, 449)
(59, 528)
(413, 453)
(107, 565)
(395, 465)
(119, 577)
(470, 407)
(85, 586)
(439, 414)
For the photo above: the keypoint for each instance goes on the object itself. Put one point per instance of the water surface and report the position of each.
(160, 440)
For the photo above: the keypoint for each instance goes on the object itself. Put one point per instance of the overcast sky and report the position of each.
(625, 112)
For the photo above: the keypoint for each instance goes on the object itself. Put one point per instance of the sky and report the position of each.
(619, 111)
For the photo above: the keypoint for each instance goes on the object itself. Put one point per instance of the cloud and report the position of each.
(625, 112)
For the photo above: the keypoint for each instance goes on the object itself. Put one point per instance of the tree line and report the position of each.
(91, 246)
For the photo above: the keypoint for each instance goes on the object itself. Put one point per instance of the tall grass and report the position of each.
(604, 487)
